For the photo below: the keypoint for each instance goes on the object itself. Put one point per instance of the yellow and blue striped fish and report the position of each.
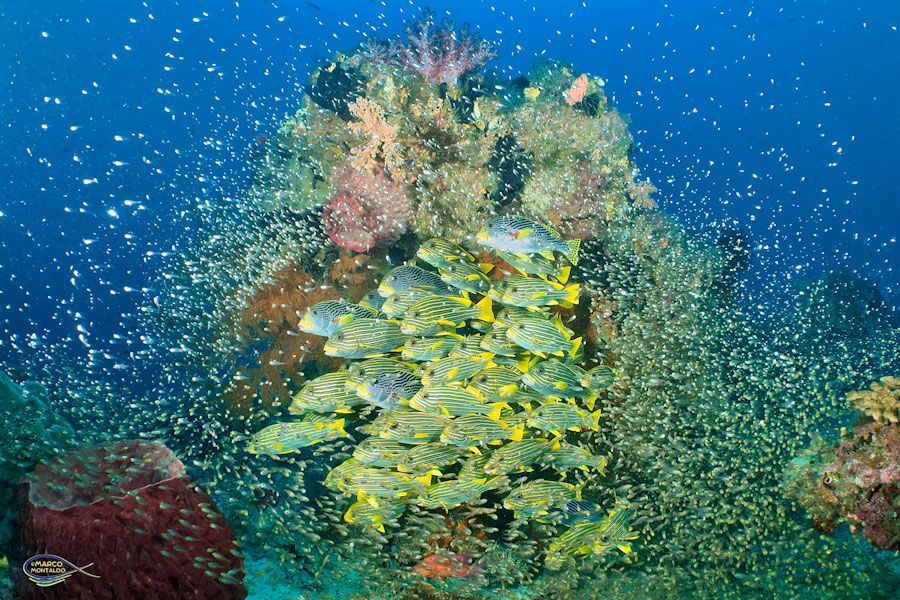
(615, 533)
(375, 512)
(361, 338)
(379, 452)
(473, 431)
(453, 369)
(555, 378)
(325, 317)
(510, 315)
(450, 494)
(451, 400)
(524, 292)
(348, 466)
(282, 438)
(440, 252)
(438, 313)
(495, 342)
(568, 457)
(468, 346)
(361, 371)
(408, 276)
(409, 427)
(557, 417)
(598, 378)
(430, 348)
(429, 458)
(535, 498)
(398, 303)
(325, 393)
(371, 482)
(372, 300)
(536, 264)
(542, 337)
(497, 383)
(517, 234)
(473, 467)
(576, 541)
(518, 455)
(390, 390)
(468, 277)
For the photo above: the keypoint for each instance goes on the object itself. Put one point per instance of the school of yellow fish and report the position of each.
(460, 381)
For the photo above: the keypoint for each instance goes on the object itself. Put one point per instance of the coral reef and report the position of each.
(369, 210)
(856, 480)
(129, 509)
(32, 433)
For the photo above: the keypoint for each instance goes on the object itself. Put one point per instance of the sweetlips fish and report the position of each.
(437, 313)
(359, 372)
(408, 276)
(389, 390)
(372, 482)
(473, 431)
(510, 315)
(323, 318)
(518, 455)
(557, 417)
(518, 234)
(467, 277)
(542, 337)
(599, 377)
(453, 400)
(473, 467)
(398, 303)
(556, 378)
(408, 427)
(282, 438)
(379, 452)
(375, 512)
(524, 292)
(536, 264)
(594, 536)
(568, 457)
(429, 458)
(430, 348)
(469, 345)
(453, 369)
(372, 300)
(572, 512)
(450, 494)
(325, 393)
(497, 383)
(363, 338)
(440, 252)
(536, 498)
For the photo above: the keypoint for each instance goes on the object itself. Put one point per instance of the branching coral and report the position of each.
(381, 148)
(881, 402)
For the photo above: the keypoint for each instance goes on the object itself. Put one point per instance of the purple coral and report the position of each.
(368, 210)
(439, 53)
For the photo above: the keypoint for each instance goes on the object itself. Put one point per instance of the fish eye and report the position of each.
(416, 314)
(315, 313)
(514, 289)
(339, 336)
(425, 395)
(490, 225)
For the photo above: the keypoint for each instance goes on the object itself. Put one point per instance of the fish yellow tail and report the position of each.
(572, 292)
(595, 420)
(572, 251)
(487, 310)
(564, 274)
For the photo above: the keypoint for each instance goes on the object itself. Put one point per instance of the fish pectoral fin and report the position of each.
(625, 549)
(548, 254)
(524, 232)
(560, 385)
(475, 449)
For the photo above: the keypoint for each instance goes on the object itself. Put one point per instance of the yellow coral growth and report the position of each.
(881, 402)
(381, 139)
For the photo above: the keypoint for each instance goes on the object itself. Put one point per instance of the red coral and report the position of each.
(439, 53)
(368, 210)
(129, 508)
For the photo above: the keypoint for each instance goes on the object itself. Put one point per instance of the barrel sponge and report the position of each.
(129, 508)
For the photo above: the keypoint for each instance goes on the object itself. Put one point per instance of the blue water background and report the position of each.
(118, 117)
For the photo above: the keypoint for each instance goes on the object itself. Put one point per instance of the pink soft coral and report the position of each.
(439, 53)
(368, 210)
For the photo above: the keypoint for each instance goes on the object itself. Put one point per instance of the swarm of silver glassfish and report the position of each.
(465, 392)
